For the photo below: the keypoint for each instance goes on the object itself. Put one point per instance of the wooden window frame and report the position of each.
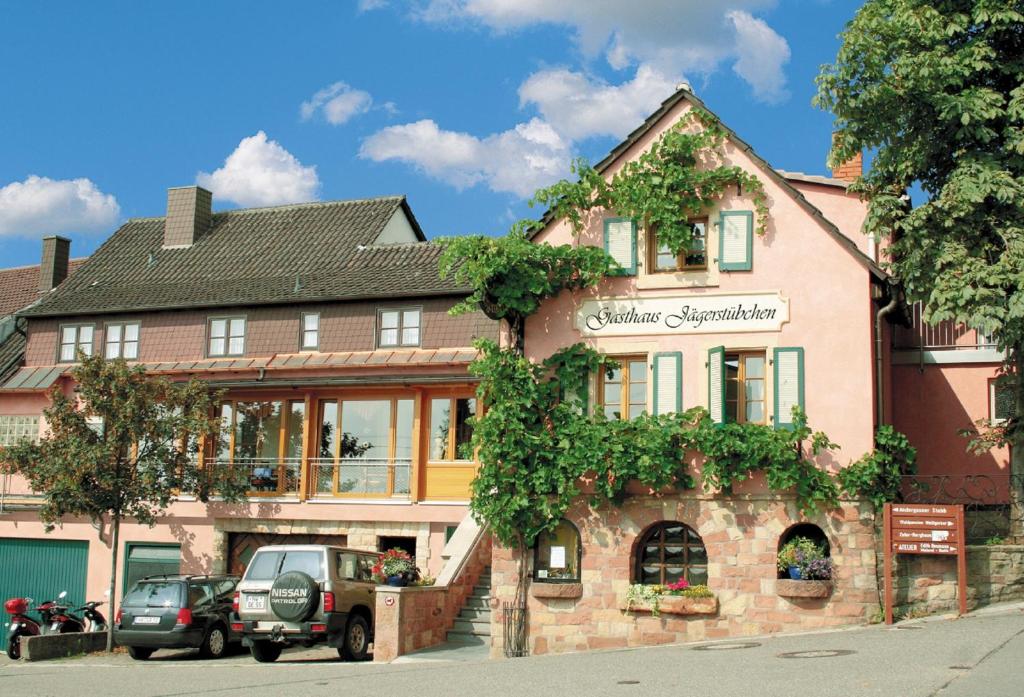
(303, 346)
(227, 335)
(659, 529)
(624, 362)
(401, 326)
(451, 454)
(681, 265)
(78, 340)
(741, 396)
(282, 475)
(121, 342)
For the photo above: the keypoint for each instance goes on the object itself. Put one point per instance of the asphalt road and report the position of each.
(975, 656)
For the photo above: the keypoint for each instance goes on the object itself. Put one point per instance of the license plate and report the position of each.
(255, 602)
(147, 620)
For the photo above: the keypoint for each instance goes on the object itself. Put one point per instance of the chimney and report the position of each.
(189, 216)
(54, 266)
(849, 170)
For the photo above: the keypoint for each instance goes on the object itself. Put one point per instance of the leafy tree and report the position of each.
(936, 88)
(124, 449)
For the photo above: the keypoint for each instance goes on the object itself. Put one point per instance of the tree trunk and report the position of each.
(115, 532)
(1016, 440)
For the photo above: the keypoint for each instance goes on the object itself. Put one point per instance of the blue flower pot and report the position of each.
(397, 581)
(794, 573)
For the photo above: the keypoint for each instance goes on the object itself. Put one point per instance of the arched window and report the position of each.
(809, 530)
(556, 556)
(669, 551)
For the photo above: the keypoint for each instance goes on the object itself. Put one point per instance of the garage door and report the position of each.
(41, 569)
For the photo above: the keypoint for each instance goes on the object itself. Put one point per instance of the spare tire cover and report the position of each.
(294, 596)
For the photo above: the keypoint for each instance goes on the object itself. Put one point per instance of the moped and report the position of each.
(21, 625)
(97, 622)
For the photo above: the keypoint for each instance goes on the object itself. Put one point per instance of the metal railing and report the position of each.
(356, 476)
(986, 498)
(268, 475)
(946, 335)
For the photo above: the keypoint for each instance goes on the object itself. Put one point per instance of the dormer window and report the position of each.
(75, 338)
(227, 336)
(310, 340)
(122, 341)
(398, 327)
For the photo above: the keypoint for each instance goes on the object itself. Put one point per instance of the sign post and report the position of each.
(924, 529)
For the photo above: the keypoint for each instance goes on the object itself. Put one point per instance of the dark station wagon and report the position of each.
(177, 612)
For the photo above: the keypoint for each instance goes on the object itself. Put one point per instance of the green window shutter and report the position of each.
(789, 384)
(620, 244)
(716, 384)
(668, 382)
(736, 241)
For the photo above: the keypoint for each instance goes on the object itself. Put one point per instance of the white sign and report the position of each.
(557, 560)
(693, 314)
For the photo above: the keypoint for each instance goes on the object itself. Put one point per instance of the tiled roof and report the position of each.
(12, 350)
(19, 286)
(813, 179)
(299, 253)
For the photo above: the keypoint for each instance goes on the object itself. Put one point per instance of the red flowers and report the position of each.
(678, 585)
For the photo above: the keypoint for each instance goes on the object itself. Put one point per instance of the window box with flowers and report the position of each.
(395, 568)
(809, 568)
(679, 598)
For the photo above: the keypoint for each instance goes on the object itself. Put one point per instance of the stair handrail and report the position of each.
(463, 544)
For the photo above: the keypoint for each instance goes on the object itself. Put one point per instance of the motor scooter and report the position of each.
(97, 622)
(57, 619)
(21, 625)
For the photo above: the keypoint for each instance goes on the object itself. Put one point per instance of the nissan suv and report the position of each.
(301, 595)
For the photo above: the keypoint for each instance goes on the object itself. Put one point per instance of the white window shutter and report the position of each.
(789, 384)
(736, 241)
(620, 243)
(668, 382)
(716, 384)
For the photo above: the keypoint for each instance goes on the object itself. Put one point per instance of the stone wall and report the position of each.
(418, 617)
(927, 584)
(741, 535)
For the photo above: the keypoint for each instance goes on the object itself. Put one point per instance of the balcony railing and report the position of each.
(946, 335)
(360, 477)
(268, 476)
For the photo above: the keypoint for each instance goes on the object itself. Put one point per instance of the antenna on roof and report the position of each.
(298, 283)
(151, 261)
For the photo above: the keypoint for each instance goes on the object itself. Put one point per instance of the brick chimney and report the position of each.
(189, 216)
(54, 266)
(851, 169)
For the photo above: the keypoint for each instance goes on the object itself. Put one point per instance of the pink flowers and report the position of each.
(679, 585)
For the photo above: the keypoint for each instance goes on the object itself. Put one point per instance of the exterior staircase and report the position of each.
(473, 625)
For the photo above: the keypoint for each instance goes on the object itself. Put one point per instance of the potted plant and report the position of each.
(395, 568)
(679, 598)
(809, 568)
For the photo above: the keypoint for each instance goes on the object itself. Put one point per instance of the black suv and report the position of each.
(177, 612)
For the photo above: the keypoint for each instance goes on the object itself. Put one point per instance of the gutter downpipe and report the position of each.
(879, 382)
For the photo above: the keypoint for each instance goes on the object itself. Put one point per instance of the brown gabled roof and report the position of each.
(299, 253)
(685, 94)
(19, 286)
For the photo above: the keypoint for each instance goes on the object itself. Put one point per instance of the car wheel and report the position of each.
(140, 653)
(214, 643)
(357, 640)
(265, 651)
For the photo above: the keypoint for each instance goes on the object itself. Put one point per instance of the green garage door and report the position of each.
(41, 569)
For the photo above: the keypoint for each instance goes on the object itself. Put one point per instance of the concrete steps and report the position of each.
(473, 625)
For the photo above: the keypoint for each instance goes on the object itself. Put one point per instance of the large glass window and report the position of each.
(668, 552)
(622, 392)
(557, 555)
(75, 338)
(227, 336)
(17, 428)
(745, 388)
(693, 258)
(364, 447)
(451, 433)
(122, 341)
(399, 327)
(264, 438)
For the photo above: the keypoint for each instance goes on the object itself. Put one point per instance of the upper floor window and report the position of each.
(310, 331)
(122, 341)
(227, 336)
(450, 432)
(693, 258)
(398, 327)
(622, 392)
(744, 388)
(18, 428)
(75, 338)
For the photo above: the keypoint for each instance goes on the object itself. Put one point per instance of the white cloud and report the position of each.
(262, 173)
(339, 103)
(367, 5)
(762, 53)
(517, 161)
(578, 107)
(672, 36)
(40, 206)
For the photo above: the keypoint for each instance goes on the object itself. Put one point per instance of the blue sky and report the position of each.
(466, 106)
